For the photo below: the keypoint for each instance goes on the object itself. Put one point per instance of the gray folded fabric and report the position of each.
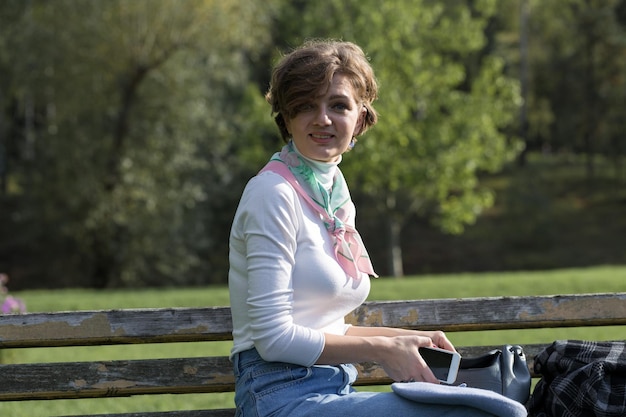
(481, 399)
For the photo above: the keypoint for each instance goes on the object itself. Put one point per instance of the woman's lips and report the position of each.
(321, 137)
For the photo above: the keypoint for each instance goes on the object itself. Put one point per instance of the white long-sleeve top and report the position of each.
(286, 287)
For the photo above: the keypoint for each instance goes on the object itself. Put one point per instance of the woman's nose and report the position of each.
(321, 116)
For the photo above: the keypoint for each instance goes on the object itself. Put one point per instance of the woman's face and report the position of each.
(323, 128)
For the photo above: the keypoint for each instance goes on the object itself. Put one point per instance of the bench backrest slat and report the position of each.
(155, 376)
(212, 324)
(107, 327)
(494, 313)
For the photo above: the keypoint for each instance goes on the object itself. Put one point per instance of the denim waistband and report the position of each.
(243, 359)
(247, 358)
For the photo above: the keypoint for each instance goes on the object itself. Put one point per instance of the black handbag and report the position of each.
(501, 370)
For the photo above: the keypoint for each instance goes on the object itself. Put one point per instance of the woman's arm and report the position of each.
(438, 338)
(267, 223)
(396, 350)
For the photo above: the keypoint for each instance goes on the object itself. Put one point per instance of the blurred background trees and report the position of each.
(129, 129)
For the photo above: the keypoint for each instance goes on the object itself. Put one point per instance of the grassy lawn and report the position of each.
(567, 281)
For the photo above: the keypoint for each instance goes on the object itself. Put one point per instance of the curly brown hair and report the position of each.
(308, 70)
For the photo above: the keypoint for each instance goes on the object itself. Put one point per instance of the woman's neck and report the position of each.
(324, 171)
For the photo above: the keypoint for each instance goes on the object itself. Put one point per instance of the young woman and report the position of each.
(298, 265)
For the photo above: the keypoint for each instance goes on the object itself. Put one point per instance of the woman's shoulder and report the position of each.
(268, 196)
(269, 185)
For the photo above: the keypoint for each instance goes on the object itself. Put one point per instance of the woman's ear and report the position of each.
(360, 124)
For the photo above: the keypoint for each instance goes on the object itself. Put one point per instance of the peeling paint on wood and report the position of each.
(190, 370)
(78, 384)
(115, 327)
(93, 326)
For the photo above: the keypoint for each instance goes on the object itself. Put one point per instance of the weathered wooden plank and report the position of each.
(496, 313)
(223, 412)
(210, 324)
(83, 328)
(155, 376)
(115, 378)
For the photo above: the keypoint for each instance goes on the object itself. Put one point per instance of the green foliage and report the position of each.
(444, 107)
(133, 105)
(129, 129)
(544, 216)
(439, 125)
(578, 76)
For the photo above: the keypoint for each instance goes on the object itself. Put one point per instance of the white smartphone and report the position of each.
(443, 363)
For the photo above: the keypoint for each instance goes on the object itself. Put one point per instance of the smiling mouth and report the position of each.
(321, 137)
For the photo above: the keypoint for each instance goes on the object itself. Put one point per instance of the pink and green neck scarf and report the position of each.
(334, 207)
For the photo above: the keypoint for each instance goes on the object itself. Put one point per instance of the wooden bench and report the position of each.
(120, 378)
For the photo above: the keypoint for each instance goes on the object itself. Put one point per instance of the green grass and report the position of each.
(567, 281)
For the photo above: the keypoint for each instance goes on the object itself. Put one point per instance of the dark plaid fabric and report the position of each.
(580, 379)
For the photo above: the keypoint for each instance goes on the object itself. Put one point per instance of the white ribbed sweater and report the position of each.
(286, 288)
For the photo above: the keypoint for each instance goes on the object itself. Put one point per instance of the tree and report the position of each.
(579, 62)
(444, 107)
(119, 113)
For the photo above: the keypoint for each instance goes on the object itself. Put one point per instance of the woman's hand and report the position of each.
(402, 361)
(439, 340)
(396, 350)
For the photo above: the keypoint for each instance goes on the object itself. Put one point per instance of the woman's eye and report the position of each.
(304, 107)
(341, 106)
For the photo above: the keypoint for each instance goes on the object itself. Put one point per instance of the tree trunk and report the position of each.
(394, 227)
(395, 247)
(524, 16)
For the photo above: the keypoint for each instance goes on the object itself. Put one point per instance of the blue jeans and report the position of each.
(276, 389)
